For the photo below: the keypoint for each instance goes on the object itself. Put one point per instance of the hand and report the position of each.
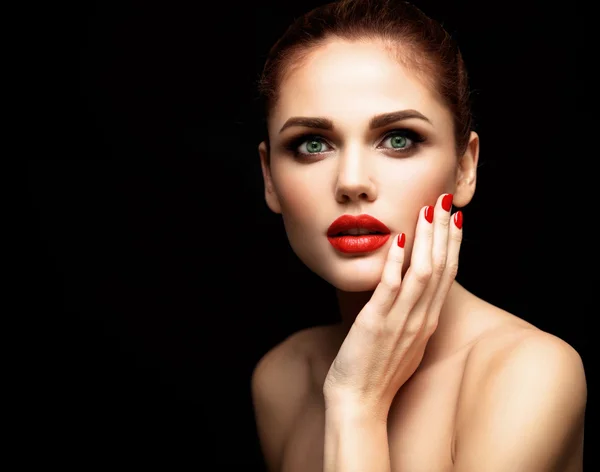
(386, 343)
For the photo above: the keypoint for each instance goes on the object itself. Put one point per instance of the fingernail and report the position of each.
(447, 202)
(401, 239)
(458, 219)
(429, 214)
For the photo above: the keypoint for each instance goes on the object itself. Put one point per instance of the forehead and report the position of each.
(352, 81)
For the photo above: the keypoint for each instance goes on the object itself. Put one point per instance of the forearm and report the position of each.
(355, 442)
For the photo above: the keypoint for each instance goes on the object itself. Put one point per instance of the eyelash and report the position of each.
(414, 137)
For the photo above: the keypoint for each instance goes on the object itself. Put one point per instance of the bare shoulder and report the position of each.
(290, 361)
(501, 338)
(516, 342)
(520, 378)
(290, 349)
(514, 346)
(280, 387)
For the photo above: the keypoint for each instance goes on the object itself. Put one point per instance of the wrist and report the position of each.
(356, 438)
(340, 409)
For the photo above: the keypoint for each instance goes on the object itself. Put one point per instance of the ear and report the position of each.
(270, 193)
(466, 173)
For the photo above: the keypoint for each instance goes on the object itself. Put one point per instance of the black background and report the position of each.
(162, 277)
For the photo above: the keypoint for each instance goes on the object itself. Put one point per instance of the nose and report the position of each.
(354, 181)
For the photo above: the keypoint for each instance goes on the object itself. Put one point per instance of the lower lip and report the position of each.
(362, 243)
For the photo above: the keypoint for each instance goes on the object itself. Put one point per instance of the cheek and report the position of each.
(300, 196)
(419, 185)
(304, 193)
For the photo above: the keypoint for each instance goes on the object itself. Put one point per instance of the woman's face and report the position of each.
(316, 175)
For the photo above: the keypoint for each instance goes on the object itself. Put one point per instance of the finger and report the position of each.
(455, 234)
(439, 254)
(418, 274)
(391, 278)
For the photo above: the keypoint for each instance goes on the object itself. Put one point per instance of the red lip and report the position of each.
(346, 222)
(359, 243)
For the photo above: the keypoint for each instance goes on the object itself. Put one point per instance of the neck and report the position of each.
(351, 303)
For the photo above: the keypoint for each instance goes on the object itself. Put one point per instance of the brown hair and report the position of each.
(418, 42)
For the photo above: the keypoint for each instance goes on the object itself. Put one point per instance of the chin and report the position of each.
(349, 274)
(354, 285)
(349, 279)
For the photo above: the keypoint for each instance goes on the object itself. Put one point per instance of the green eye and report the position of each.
(398, 141)
(314, 146)
(402, 141)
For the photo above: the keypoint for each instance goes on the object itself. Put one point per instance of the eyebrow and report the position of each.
(378, 121)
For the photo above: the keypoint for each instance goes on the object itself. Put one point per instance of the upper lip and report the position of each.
(346, 222)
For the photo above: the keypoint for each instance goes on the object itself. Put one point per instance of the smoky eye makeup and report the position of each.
(398, 136)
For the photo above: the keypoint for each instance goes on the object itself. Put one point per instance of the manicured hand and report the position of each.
(386, 343)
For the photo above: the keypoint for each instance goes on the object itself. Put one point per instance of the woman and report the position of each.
(369, 131)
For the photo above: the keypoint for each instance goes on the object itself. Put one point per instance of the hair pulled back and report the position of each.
(416, 41)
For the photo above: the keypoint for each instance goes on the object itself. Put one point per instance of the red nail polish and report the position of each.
(429, 214)
(458, 219)
(401, 239)
(447, 202)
